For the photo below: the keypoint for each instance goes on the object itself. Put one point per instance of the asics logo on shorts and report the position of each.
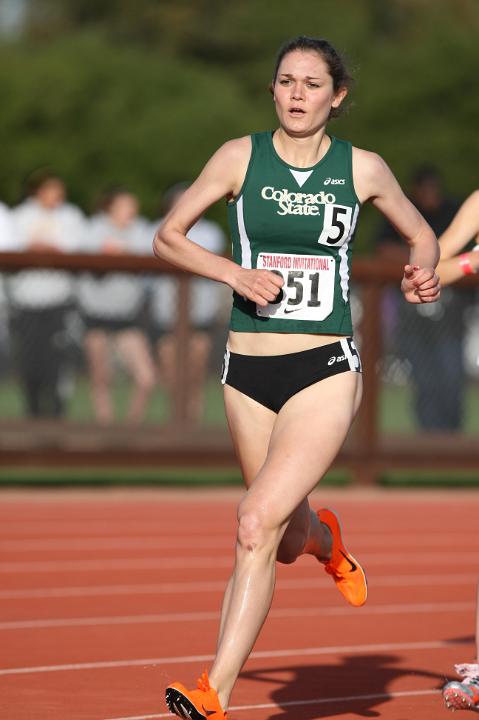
(336, 358)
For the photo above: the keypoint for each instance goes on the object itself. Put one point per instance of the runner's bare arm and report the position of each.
(221, 177)
(375, 182)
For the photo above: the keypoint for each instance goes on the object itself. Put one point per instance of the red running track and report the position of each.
(106, 596)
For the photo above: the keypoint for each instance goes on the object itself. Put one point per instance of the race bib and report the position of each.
(308, 290)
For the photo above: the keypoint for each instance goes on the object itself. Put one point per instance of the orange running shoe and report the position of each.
(347, 573)
(195, 704)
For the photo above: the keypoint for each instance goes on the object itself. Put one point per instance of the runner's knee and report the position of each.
(254, 531)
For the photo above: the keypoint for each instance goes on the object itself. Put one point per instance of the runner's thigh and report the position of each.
(250, 425)
(307, 435)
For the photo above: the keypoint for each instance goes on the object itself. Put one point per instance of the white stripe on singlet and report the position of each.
(226, 364)
(343, 254)
(244, 239)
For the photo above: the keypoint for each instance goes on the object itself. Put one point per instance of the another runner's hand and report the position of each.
(260, 286)
(420, 285)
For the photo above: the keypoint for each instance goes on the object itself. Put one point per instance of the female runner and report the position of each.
(462, 694)
(292, 381)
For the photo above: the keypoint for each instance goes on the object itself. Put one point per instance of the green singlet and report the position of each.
(300, 223)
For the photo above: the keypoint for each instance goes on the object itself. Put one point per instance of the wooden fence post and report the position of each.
(367, 422)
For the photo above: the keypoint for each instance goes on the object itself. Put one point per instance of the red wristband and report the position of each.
(466, 265)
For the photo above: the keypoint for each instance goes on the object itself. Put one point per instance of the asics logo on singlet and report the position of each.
(336, 358)
(334, 181)
(297, 203)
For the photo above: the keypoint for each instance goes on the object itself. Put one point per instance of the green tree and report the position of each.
(142, 93)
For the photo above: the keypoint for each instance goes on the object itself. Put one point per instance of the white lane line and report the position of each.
(258, 654)
(139, 564)
(88, 527)
(42, 544)
(299, 703)
(397, 609)
(215, 561)
(182, 588)
(115, 543)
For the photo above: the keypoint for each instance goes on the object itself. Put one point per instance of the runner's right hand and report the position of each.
(259, 286)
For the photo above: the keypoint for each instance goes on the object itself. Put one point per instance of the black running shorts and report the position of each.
(272, 380)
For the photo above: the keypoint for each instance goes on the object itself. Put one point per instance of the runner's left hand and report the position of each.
(420, 285)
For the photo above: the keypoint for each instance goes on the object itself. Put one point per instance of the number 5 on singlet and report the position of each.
(336, 225)
(308, 290)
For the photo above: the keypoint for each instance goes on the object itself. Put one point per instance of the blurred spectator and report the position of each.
(430, 336)
(40, 299)
(7, 241)
(112, 308)
(7, 244)
(205, 302)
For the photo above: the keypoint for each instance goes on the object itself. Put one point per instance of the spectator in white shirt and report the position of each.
(7, 244)
(7, 241)
(40, 299)
(112, 306)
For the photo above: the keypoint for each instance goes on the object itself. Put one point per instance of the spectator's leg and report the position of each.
(134, 350)
(415, 343)
(54, 356)
(439, 382)
(24, 327)
(425, 369)
(166, 353)
(199, 352)
(97, 352)
(32, 391)
(450, 381)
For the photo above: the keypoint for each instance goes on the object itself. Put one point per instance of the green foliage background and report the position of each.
(141, 93)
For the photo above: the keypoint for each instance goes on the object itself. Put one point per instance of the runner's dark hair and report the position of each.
(335, 62)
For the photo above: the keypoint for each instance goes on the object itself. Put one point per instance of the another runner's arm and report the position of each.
(221, 177)
(453, 269)
(375, 182)
(463, 228)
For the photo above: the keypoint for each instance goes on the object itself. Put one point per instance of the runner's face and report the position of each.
(304, 93)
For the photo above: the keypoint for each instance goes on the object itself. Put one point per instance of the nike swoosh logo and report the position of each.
(287, 312)
(353, 566)
(208, 712)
